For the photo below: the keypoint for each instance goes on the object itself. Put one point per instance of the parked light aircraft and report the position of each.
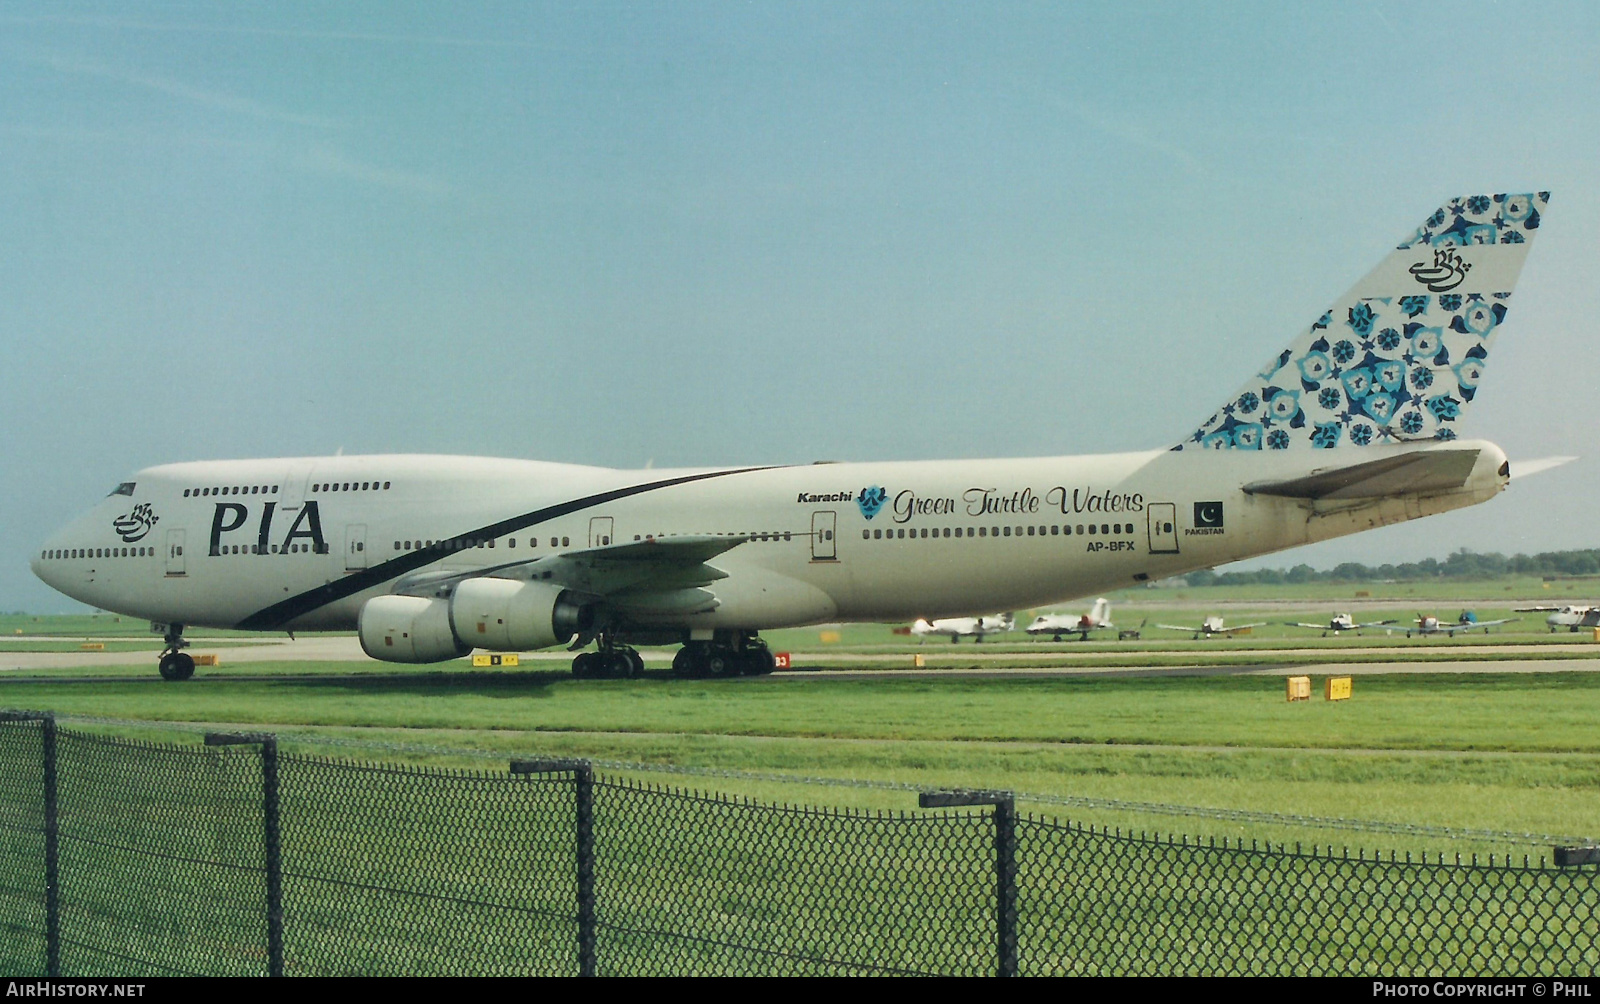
(957, 628)
(1340, 623)
(1097, 619)
(1570, 616)
(1213, 625)
(1468, 621)
(1351, 426)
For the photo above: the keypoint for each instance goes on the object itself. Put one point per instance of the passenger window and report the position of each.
(877, 534)
(983, 531)
(866, 534)
(186, 493)
(512, 541)
(564, 542)
(1091, 528)
(1008, 531)
(386, 486)
(1104, 528)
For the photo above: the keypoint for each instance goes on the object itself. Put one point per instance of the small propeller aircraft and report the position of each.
(1340, 623)
(964, 627)
(1570, 616)
(1212, 626)
(1097, 619)
(1468, 620)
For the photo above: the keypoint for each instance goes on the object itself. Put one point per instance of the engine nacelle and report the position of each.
(409, 629)
(510, 616)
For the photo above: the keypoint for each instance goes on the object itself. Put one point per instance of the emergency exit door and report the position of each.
(823, 524)
(355, 547)
(1163, 518)
(175, 560)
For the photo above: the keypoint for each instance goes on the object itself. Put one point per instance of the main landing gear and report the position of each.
(612, 661)
(174, 664)
(741, 654)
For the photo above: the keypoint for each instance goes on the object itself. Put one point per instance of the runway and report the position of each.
(1423, 657)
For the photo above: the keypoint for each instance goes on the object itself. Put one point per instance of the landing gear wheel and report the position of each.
(719, 661)
(757, 661)
(635, 664)
(176, 666)
(583, 666)
(685, 663)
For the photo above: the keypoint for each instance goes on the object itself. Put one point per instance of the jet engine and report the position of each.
(408, 629)
(498, 614)
(510, 616)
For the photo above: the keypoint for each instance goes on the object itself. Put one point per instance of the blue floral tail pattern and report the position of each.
(1400, 357)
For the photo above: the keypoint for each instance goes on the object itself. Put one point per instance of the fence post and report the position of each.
(583, 794)
(52, 853)
(271, 834)
(1005, 864)
(52, 834)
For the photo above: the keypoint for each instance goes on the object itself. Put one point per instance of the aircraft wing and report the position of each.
(672, 567)
(1435, 470)
(1535, 610)
(1177, 627)
(1376, 624)
(1314, 627)
(1240, 627)
(1453, 628)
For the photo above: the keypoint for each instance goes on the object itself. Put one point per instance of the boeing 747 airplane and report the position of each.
(1351, 426)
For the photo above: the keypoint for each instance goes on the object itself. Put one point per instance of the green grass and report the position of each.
(1511, 752)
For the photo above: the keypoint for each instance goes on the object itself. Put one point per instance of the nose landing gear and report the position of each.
(175, 664)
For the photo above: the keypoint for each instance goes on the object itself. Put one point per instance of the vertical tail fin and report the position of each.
(1399, 357)
(1100, 613)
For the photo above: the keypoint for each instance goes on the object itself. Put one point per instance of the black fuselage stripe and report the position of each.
(301, 604)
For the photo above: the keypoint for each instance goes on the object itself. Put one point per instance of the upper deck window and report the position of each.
(126, 488)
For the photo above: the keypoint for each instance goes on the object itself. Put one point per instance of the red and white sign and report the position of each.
(781, 659)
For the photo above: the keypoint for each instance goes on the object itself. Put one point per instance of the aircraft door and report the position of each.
(1163, 517)
(355, 547)
(823, 524)
(600, 531)
(175, 559)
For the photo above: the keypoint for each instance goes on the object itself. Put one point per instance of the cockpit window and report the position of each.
(126, 488)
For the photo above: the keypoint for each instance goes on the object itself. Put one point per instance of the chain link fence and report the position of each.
(122, 857)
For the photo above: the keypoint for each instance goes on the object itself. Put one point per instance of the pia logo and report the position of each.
(871, 500)
(137, 524)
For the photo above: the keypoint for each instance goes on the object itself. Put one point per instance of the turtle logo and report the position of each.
(871, 500)
(136, 525)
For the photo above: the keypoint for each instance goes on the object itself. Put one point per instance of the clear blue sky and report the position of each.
(728, 232)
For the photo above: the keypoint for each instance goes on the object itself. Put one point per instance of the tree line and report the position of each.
(1462, 564)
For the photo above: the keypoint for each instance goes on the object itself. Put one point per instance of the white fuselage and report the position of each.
(268, 544)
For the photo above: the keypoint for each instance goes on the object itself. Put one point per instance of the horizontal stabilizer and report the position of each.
(1408, 474)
